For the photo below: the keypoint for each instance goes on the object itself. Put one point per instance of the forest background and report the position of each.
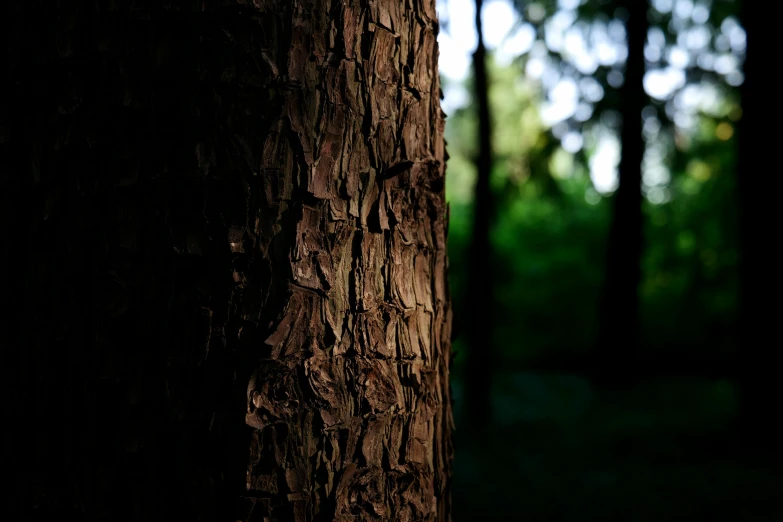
(589, 416)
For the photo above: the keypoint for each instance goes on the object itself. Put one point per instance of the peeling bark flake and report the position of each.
(232, 210)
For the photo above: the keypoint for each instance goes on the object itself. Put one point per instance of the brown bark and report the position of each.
(227, 274)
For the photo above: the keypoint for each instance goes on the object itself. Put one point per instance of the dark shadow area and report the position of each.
(111, 412)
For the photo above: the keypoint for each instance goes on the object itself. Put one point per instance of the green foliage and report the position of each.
(550, 232)
(559, 449)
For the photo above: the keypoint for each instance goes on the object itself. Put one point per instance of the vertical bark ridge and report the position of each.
(351, 405)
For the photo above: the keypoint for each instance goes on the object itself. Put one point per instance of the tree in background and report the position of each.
(480, 282)
(692, 50)
(225, 253)
(760, 276)
(661, 444)
(617, 341)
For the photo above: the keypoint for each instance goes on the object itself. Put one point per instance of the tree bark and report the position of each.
(226, 261)
(618, 328)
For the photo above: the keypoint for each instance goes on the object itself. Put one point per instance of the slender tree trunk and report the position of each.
(760, 281)
(618, 329)
(480, 329)
(226, 261)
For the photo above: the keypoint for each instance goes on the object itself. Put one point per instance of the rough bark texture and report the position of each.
(226, 261)
(618, 329)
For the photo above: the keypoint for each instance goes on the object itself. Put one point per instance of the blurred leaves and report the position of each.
(550, 234)
(559, 448)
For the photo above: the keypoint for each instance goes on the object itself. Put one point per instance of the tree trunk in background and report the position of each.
(226, 261)
(480, 299)
(618, 329)
(760, 281)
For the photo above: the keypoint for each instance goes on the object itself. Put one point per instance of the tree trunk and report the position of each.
(479, 328)
(618, 329)
(760, 280)
(226, 263)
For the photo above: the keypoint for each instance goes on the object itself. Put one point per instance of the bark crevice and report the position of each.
(233, 230)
